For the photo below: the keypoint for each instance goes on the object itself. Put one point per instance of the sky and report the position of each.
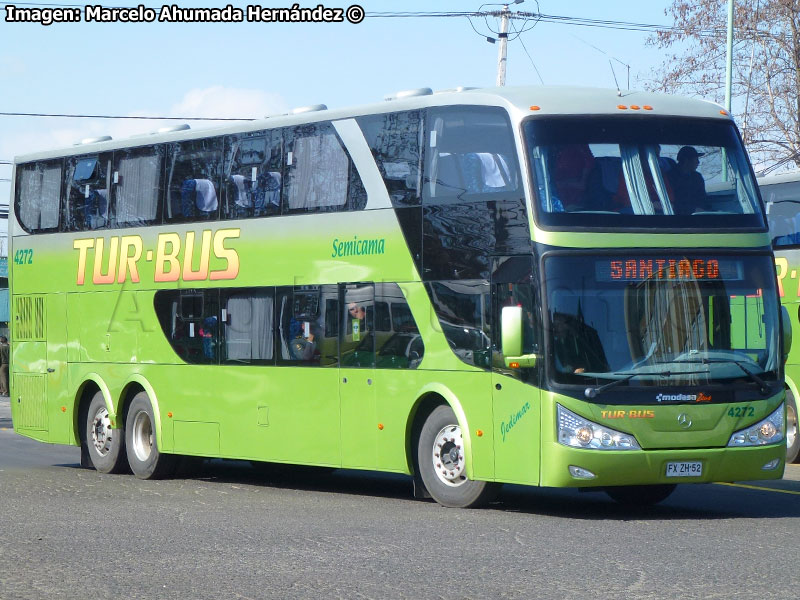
(250, 70)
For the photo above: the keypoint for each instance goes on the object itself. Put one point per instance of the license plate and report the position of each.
(684, 469)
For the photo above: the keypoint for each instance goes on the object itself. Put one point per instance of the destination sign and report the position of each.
(666, 268)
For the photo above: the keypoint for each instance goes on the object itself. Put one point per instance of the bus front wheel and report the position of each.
(640, 495)
(140, 440)
(441, 465)
(792, 440)
(105, 445)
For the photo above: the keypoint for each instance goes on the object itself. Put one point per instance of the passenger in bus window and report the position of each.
(96, 209)
(573, 165)
(302, 346)
(358, 320)
(198, 196)
(243, 201)
(688, 185)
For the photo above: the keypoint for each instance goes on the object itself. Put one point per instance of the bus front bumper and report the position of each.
(602, 468)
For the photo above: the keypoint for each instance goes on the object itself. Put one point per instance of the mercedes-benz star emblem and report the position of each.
(684, 421)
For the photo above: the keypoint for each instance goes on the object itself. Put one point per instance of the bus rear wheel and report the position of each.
(104, 444)
(140, 440)
(441, 463)
(640, 495)
(792, 439)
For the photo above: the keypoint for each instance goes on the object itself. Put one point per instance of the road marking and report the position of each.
(756, 487)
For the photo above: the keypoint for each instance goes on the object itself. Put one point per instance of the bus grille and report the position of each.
(29, 318)
(29, 390)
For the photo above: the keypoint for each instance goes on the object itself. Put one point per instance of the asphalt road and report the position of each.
(230, 531)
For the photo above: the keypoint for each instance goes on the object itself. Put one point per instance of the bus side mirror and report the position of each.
(786, 326)
(511, 332)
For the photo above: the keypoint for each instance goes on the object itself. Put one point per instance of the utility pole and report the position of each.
(501, 54)
(729, 61)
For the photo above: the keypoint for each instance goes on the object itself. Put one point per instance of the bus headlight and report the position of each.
(766, 431)
(577, 432)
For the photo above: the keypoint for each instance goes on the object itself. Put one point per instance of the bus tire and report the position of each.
(140, 441)
(640, 495)
(440, 463)
(792, 439)
(105, 446)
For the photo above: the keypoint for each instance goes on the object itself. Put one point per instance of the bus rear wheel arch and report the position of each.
(441, 463)
(144, 457)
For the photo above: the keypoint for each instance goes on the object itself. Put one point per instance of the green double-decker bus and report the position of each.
(556, 287)
(781, 195)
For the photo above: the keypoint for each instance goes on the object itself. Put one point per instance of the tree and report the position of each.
(766, 68)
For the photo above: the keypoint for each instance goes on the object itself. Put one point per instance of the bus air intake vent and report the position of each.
(408, 94)
(94, 140)
(29, 318)
(461, 88)
(171, 128)
(306, 109)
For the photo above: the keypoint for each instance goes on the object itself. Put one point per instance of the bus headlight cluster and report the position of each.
(577, 432)
(766, 431)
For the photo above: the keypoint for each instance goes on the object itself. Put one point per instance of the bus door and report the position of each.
(515, 387)
(57, 378)
(357, 375)
(38, 365)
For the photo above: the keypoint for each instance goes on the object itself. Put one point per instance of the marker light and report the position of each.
(534, 107)
(622, 107)
(772, 465)
(578, 432)
(766, 431)
(647, 107)
(581, 473)
(634, 107)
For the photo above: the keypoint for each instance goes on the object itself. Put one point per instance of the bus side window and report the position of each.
(784, 220)
(193, 173)
(190, 321)
(253, 177)
(137, 184)
(395, 141)
(302, 338)
(464, 309)
(38, 195)
(469, 156)
(86, 205)
(398, 341)
(357, 331)
(317, 170)
(247, 317)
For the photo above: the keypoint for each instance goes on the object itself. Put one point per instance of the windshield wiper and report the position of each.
(762, 385)
(592, 392)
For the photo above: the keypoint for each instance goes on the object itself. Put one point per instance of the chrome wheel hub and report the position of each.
(102, 434)
(142, 436)
(448, 456)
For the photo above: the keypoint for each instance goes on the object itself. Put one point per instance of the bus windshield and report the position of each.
(633, 172)
(656, 320)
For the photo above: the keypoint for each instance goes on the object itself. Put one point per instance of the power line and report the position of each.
(537, 16)
(19, 114)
